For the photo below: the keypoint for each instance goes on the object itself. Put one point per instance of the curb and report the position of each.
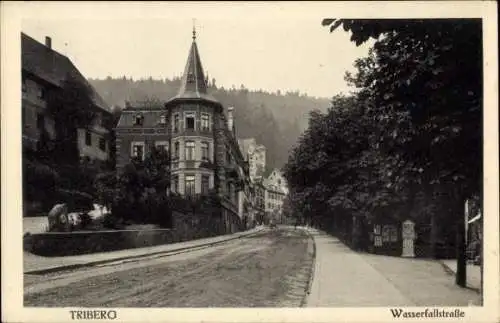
(311, 272)
(166, 253)
(450, 272)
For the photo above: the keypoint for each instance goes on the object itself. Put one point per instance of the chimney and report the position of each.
(48, 42)
(230, 118)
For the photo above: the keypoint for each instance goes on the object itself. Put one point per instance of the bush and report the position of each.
(85, 219)
(39, 182)
(109, 221)
(75, 200)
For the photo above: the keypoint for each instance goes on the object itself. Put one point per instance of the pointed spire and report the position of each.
(193, 82)
(194, 29)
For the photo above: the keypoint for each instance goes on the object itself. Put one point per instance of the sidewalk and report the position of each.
(344, 278)
(34, 264)
(473, 273)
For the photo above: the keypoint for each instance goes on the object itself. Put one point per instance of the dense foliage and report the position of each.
(71, 107)
(408, 142)
(141, 190)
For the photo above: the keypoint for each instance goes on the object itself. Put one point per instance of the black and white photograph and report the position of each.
(271, 157)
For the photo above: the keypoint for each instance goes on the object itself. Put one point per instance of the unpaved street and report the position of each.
(271, 268)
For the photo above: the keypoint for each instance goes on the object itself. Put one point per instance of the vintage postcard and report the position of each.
(250, 162)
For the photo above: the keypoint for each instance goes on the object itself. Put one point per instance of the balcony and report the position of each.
(207, 164)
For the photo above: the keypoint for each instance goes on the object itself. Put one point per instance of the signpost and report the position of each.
(408, 239)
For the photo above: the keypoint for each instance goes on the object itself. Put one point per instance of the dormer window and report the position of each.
(138, 119)
(163, 119)
(190, 78)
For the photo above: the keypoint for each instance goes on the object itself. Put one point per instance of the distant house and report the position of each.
(256, 156)
(260, 200)
(44, 71)
(276, 190)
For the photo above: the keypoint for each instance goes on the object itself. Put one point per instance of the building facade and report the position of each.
(141, 126)
(199, 134)
(260, 201)
(256, 156)
(44, 71)
(276, 190)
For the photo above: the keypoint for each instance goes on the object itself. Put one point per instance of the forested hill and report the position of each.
(274, 119)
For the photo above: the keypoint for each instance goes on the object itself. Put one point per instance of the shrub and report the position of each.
(39, 182)
(109, 221)
(75, 200)
(85, 219)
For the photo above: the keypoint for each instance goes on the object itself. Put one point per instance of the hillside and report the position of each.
(274, 119)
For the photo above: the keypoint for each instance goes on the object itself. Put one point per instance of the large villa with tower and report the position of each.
(199, 134)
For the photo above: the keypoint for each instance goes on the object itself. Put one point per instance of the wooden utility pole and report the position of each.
(461, 275)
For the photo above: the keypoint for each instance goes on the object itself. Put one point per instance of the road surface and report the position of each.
(269, 269)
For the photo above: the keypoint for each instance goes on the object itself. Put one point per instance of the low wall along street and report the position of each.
(84, 242)
(186, 227)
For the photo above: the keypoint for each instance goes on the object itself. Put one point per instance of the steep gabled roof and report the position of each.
(52, 67)
(193, 82)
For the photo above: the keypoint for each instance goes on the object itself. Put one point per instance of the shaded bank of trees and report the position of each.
(408, 143)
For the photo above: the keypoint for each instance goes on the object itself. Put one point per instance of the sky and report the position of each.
(277, 46)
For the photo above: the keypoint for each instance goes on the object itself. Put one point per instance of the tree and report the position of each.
(105, 186)
(423, 85)
(71, 107)
(142, 189)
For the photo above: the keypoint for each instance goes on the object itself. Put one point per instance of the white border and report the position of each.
(11, 15)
